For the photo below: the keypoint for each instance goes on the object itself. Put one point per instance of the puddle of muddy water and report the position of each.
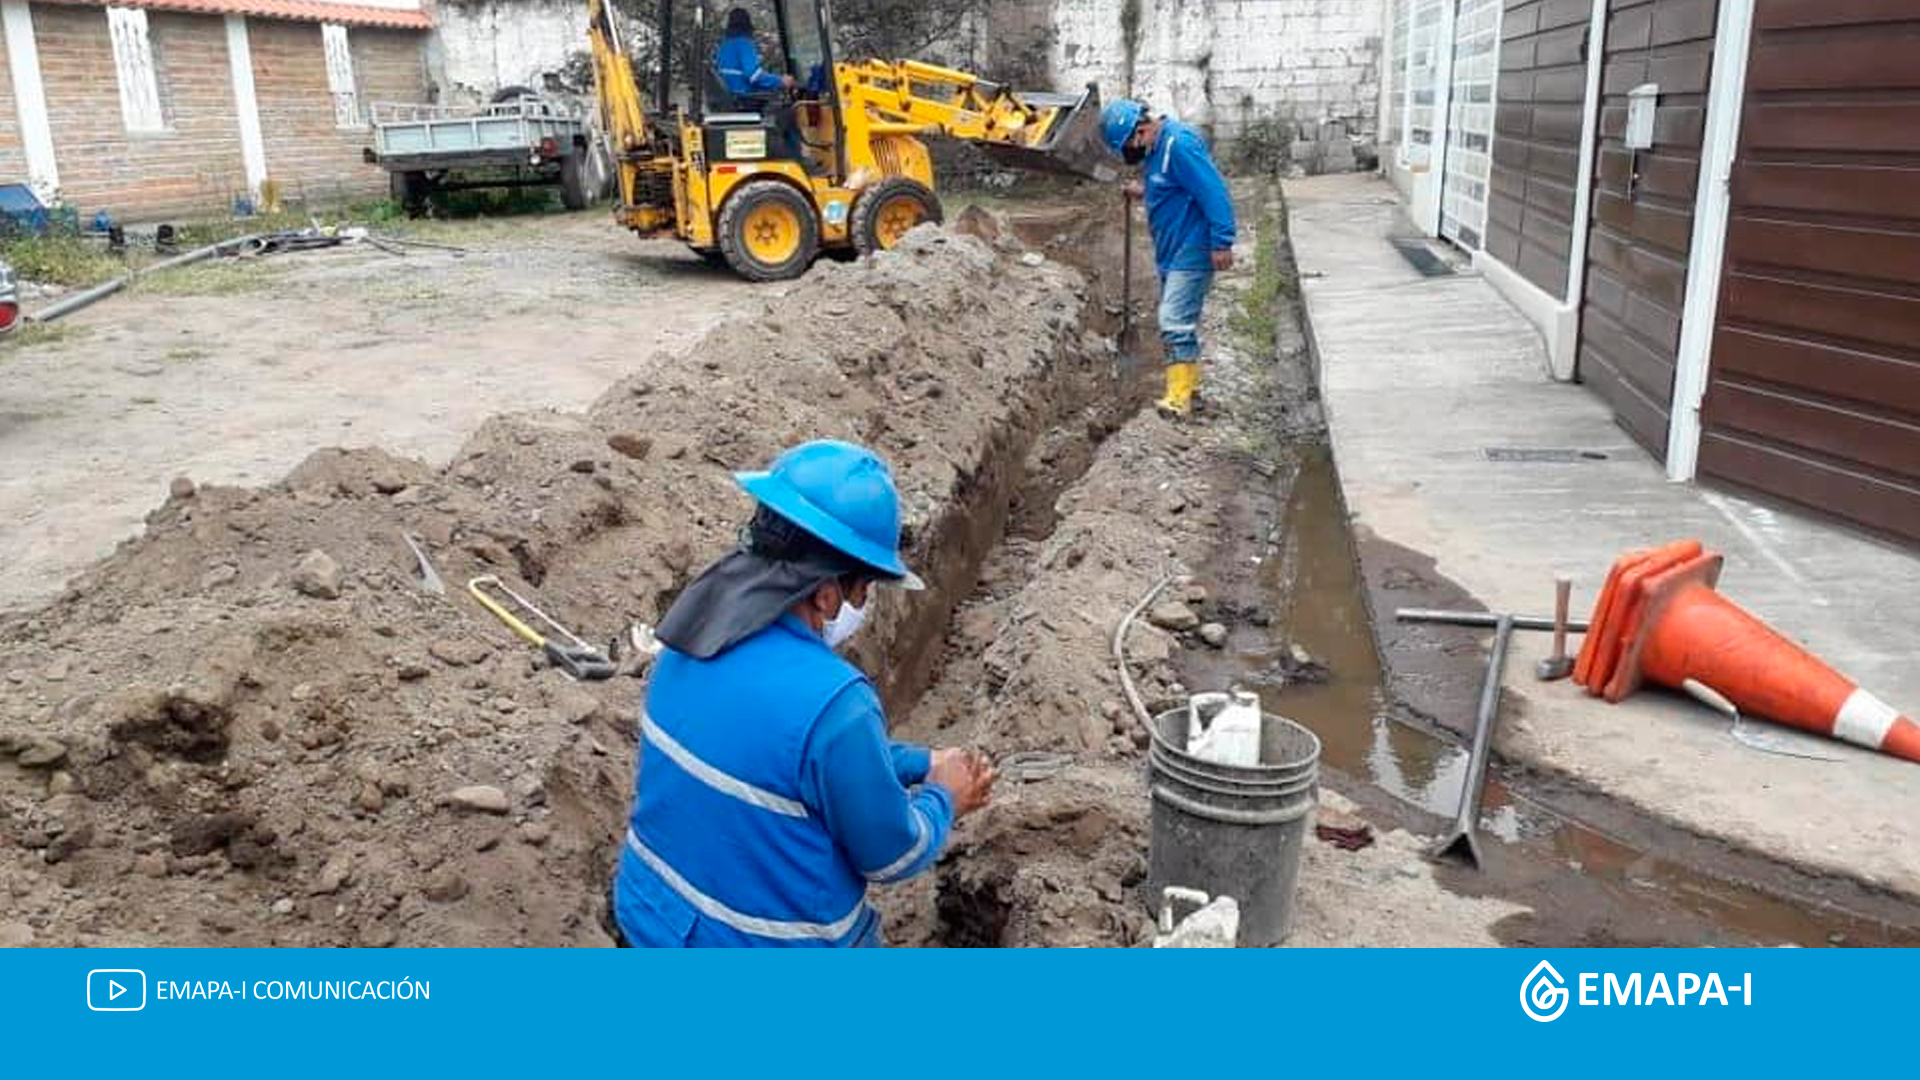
(1586, 885)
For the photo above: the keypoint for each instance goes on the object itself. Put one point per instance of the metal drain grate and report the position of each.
(1422, 258)
(1531, 454)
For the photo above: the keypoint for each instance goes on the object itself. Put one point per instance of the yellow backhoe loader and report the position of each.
(830, 161)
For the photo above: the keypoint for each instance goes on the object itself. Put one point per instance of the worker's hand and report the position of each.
(1223, 259)
(967, 776)
(1134, 189)
(788, 82)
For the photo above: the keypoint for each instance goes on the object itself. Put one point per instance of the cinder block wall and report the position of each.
(308, 155)
(1235, 67)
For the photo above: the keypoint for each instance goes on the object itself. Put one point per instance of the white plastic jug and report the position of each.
(1232, 736)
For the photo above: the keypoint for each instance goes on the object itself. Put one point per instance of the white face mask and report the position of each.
(843, 625)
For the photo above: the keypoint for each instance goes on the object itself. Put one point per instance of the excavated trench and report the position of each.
(280, 754)
(1254, 515)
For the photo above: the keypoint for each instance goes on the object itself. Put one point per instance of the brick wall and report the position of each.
(13, 161)
(194, 165)
(308, 156)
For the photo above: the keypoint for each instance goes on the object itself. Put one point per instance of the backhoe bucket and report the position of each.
(1071, 144)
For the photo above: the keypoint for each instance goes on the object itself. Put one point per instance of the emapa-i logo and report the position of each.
(1543, 993)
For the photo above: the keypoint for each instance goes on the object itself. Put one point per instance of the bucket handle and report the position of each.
(1231, 817)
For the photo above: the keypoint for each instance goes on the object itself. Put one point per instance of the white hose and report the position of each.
(1120, 654)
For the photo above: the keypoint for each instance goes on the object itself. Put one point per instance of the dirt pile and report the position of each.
(218, 736)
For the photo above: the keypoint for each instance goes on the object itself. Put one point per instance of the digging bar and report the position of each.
(1484, 618)
(1462, 845)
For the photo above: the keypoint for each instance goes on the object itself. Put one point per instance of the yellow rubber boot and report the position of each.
(1181, 379)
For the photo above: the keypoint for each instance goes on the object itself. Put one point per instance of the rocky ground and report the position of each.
(251, 725)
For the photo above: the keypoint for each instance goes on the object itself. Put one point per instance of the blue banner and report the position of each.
(1174, 1014)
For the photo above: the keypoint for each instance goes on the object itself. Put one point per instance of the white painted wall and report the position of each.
(1229, 63)
(486, 45)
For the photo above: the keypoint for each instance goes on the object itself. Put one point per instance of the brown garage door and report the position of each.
(1643, 226)
(1814, 390)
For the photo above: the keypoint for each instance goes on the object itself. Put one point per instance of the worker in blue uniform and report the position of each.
(1190, 214)
(754, 88)
(769, 795)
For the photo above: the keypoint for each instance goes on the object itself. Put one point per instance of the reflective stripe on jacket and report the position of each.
(768, 798)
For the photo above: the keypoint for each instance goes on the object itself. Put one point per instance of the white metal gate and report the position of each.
(1422, 60)
(1469, 155)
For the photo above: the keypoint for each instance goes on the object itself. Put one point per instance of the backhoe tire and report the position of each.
(889, 209)
(769, 231)
(573, 180)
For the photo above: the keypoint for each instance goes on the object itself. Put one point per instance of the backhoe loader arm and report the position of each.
(619, 93)
(907, 97)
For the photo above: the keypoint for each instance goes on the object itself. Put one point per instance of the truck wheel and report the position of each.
(769, 231)
(410, 190)
(573, 180)
(890, 209)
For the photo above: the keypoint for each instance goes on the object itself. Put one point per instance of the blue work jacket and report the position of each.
(1188, 208)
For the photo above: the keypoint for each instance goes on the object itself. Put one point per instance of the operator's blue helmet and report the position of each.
(1118, 120)
(842, 495)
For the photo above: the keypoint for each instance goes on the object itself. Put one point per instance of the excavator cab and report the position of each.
(817, 155)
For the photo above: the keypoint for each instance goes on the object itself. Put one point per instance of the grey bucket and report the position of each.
(1234, 831)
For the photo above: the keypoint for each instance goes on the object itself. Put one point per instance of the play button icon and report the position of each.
(116, 990)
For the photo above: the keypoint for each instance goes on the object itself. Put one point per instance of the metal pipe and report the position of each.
(87, 297)
(1484, 618)
(1462, 844)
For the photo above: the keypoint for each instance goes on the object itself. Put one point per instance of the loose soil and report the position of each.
(216, 736)
(250, 725)
(233, 372)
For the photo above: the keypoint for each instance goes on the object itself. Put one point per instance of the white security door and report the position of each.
(1476, 62)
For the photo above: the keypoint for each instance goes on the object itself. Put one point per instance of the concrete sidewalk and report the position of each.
(1421, 376)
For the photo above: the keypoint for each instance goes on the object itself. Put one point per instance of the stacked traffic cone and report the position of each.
(1659, 620)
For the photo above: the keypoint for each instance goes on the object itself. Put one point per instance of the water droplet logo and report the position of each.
(1543, 993)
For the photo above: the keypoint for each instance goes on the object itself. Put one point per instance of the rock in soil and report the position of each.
(1173, 615)
(480, 798)
(1214, 634)
(317, 575)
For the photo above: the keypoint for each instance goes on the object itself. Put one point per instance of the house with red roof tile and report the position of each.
(170, 108)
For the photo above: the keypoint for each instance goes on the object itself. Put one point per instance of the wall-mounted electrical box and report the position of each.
(1641, 102)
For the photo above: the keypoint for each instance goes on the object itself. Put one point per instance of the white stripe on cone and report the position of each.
(1864, 720)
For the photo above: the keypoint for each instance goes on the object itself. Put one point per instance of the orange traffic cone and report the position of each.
(1672, 626)
(1600, 649)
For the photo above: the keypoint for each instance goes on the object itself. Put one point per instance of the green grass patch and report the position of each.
(61, 259)
(1257, 322)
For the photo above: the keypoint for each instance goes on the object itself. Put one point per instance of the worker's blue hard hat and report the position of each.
(842, 495)
(1118, 120)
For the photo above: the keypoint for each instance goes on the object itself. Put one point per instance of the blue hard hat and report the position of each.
(1118, 120)
(842, 495)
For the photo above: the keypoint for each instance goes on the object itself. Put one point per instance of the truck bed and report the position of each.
(407, 137)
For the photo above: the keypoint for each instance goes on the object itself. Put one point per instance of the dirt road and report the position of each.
(232, 375)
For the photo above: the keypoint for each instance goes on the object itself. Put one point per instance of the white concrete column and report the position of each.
(30, 98)
(253, 147)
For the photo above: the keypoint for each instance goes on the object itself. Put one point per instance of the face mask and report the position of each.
(843, 625)
(1133, 154)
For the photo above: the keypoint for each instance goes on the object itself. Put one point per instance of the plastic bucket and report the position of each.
(1234, 831)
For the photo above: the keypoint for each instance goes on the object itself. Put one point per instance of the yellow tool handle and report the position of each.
(501, 613)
